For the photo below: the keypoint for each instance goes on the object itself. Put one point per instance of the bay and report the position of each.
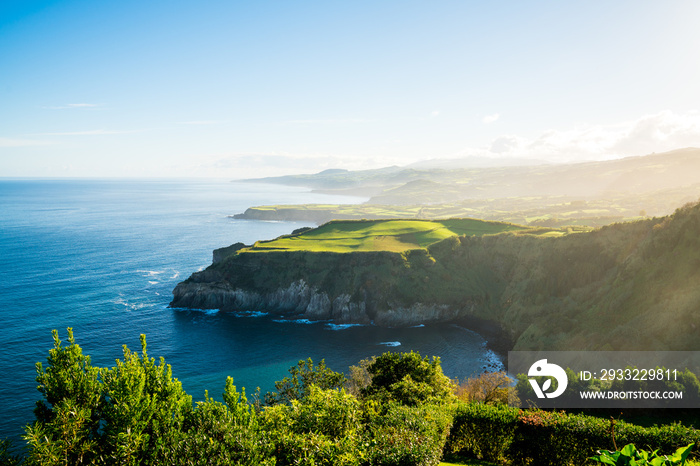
(102, 257)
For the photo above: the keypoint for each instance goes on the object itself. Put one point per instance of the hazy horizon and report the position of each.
(238, 90)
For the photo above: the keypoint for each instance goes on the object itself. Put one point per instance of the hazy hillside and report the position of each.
(593, 193)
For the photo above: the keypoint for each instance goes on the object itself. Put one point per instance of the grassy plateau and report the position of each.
(388, 235)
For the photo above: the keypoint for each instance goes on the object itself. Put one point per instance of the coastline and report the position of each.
(497, 339)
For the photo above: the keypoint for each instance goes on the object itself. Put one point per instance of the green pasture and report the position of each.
(382, 235)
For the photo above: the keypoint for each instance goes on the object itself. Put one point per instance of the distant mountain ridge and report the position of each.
(590, 193)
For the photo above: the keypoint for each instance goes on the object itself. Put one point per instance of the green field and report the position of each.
(384, 235)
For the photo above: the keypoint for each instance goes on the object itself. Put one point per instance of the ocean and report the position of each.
(103, 256)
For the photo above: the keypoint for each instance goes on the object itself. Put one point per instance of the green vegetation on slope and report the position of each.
(626, 286)
(382, 235)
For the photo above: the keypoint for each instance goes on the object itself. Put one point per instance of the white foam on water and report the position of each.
(342, 326)
(252, 314)
(390, 343)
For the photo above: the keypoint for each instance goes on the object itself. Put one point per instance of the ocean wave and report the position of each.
(296, 321)
(252, 314)
(150, 273)
(390, 343)
(128, 305)
(342, 326)
(492, 362)
(418, 326)
(209, 312)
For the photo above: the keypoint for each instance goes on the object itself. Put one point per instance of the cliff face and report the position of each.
(345, 288)
(626, 286)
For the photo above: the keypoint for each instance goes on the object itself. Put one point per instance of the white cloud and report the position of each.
(505, 143)
(491, 118)
(259, 165)
(434, 114)
(658, 132)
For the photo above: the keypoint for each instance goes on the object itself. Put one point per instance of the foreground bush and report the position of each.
(321, 429)
(548, 438)
(134, 413)
(407, 435)
(629, 455)
(483, 431)
(405, 414)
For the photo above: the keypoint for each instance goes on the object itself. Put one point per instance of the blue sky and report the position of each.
(237, 89)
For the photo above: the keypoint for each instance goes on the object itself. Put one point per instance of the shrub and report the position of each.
(216, 433)
(320, 429)
(408, 379)
(407, 435)
(303, 376)
(489, 387)
(482, 431)
(629, 455)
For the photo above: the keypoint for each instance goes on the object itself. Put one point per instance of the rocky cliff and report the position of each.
(345, 288)
(625, 286)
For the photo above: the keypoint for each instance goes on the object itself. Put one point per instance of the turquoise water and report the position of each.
(103, 257)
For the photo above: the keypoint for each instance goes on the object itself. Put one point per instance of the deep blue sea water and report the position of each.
(102, 257)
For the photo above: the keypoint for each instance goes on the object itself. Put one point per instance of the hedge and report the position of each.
(504, 434)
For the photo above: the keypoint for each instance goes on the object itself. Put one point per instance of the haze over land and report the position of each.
(590, 193)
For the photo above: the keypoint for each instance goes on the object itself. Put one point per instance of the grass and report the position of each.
(383, 235)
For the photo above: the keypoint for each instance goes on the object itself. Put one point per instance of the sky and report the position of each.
(238, 89)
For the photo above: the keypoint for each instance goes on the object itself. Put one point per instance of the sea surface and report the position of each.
(103, 256)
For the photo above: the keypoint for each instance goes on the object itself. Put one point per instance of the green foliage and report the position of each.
(407, 435)
(66, 430)
(408, 379)
(549, 438)
(303, 376)
(319, 429)
(136, 414)
(216, 433)
(359, 378)
(630, 456)
(482, 431)
(141, 405)
(6, 457)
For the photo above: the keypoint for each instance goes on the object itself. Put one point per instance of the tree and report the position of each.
(489, 388)
(143, 408)
(216, 433)
(129, 414)
(408, 379)
(303, 376)
(67, 426)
